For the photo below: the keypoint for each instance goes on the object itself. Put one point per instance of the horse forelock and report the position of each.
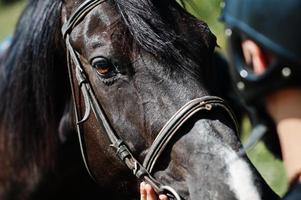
(155, 26)
(31, 84)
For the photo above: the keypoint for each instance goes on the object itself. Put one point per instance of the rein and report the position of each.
(141, 171)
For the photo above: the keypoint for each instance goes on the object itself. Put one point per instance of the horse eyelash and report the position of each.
(109, 81)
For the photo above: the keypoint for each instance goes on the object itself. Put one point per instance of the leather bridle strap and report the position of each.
(122, 150)
(90, 100)
(177, 120)
(79, 14)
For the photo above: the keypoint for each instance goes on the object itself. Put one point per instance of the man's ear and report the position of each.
(255, 56)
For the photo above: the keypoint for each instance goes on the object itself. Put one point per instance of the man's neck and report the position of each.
(284, 107)
(289, 132)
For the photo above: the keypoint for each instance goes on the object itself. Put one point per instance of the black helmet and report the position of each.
(276, 26)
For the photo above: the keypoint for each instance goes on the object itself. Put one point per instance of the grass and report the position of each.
(270, 168)
(9, 15)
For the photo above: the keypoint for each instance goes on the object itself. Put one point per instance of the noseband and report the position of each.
(142, 171)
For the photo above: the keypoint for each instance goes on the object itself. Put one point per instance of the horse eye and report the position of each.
(103, 66)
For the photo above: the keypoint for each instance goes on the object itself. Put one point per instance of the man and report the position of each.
(264, 40)
(265, 58)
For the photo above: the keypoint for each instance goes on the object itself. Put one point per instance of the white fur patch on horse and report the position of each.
(240, 176)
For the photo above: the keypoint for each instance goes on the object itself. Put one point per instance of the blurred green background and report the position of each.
(9, 13)
(208, 10)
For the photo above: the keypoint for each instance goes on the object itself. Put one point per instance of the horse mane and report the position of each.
(32, 86)
(154, 27)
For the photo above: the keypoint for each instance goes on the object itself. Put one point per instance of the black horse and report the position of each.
(137, 62)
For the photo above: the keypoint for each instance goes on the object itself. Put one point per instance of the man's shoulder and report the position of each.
(294, 193)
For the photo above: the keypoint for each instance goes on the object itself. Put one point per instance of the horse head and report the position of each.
(143, 68)
(141, 74)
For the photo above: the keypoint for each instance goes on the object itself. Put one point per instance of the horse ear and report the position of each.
(66, 126)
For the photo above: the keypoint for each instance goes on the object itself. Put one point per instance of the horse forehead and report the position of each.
(104, 15)
(97, 28)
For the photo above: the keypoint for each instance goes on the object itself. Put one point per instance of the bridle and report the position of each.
(143, 171)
